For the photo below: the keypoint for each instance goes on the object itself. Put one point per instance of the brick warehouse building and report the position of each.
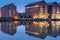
(44, 10)
(8, 11)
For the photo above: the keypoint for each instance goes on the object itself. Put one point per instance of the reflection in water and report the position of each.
(38, 29)
(8, 27)
(16, 23)
(55, 28)
(43, 29)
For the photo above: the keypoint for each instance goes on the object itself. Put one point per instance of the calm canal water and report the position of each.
(46, 30)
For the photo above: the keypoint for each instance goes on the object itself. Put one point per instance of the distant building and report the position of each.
(22, 15)
(44, 10)
(8, 11)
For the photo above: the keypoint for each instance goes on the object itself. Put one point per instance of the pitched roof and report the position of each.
(52, 3)
(39, 2)
(32, 4)
(9, 5)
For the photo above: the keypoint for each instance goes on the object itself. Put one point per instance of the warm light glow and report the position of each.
(41, 23)
(16, 16)
(16, 23)
(35, 16)
(45, 16)
(53, 16)
(41, 16)
(53, 23)
(35, 22)
(57, 23)
(58, 16)
(38, 16)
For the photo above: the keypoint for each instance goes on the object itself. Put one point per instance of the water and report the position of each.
(30, 30)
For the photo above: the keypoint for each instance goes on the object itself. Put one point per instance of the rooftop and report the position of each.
(32, 4)
(39, 2)
(8, 5)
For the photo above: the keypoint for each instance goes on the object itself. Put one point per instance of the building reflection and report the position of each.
(16, 23)
(38, 29)
(55, 28)
(8, 27)
(43, 29)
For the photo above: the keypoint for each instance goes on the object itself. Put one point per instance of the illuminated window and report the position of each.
(41, 24)
(57, 16)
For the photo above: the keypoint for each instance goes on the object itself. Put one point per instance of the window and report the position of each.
(10, 13)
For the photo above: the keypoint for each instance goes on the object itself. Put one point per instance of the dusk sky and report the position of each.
(21, 3)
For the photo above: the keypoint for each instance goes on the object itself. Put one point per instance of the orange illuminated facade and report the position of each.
(40, 16)
(16, 16)
(41, 23)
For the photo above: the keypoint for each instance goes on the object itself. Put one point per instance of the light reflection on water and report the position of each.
(30, 30)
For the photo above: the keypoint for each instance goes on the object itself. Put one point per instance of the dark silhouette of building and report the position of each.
(22, 15)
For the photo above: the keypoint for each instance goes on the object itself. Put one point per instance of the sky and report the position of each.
(20, 4)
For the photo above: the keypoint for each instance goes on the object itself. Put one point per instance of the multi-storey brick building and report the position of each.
(8, 11)
(37, 9)
(54, 10)
(43, 9)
